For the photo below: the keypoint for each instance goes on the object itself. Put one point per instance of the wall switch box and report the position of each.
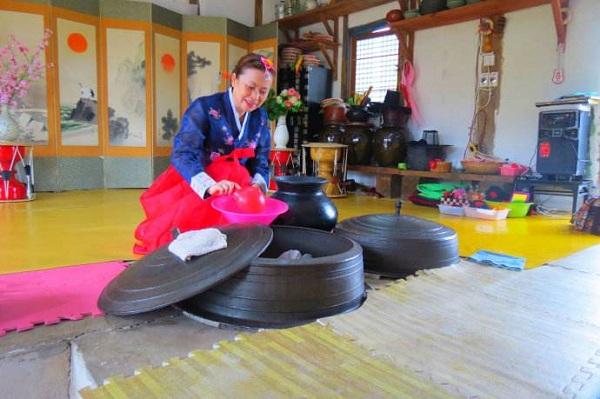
(489, 59)
(493, 79)
(484, 79)
(489, 79)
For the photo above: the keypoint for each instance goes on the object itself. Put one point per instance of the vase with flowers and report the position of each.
(19, 67)
(277, 107)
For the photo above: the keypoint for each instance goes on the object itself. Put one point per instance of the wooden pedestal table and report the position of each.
(330, 161)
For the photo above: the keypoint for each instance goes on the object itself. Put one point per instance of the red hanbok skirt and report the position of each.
(170, 203)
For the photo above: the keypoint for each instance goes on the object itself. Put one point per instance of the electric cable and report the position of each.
(552, 212)
(475, 129)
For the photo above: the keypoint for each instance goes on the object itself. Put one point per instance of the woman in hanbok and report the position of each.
(222, 145)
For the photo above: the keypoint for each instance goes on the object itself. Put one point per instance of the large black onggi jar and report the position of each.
(307, 202)
(389, 145)
(358, 138)
(278, 293)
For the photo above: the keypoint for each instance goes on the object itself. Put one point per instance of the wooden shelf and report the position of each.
(319, 45)
(329, 16)
(487, 8)
(334, 10)
(379, 170)
(393, 182)
(312, 45)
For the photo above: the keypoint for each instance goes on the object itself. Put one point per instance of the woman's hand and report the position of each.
(260, 186)
(224, 187)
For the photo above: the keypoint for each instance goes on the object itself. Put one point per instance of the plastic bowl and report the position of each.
(515, 209)
(233, 214)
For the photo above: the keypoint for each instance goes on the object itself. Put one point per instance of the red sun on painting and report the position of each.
(77, 42)
(168, 62)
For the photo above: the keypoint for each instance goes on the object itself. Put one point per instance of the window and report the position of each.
(375, 60)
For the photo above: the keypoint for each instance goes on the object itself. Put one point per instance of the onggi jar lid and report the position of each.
(161, 278)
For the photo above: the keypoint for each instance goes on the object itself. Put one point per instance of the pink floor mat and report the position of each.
(49, 296)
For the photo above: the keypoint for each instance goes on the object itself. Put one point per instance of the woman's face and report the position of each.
(250, 89)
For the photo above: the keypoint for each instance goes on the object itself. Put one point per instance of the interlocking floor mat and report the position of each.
(468, 331)
(49, 296)
(310, 361)
(489, 332)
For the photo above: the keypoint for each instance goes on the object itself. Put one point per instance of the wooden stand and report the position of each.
(397, 183)
(330, 161)
(575, 187)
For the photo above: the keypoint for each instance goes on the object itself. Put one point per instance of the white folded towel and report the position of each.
(197, 242)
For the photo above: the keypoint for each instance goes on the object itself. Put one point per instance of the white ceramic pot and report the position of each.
(281, 136)
(9, 128)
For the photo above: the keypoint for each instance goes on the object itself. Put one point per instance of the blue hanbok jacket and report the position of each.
(209, 129)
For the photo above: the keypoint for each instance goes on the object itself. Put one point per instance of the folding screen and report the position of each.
(166, 99)
(122, 74)
(203, 68)
(78, 83)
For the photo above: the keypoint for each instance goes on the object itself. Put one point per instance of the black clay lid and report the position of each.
(160, 278)
(394, 227)
(399, 245)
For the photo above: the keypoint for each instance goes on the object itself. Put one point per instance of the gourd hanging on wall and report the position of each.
(486, 29)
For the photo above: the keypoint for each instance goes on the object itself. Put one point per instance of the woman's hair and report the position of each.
(254, 61)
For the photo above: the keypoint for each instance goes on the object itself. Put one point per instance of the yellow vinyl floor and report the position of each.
(79, 227)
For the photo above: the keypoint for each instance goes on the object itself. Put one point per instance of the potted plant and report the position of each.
(277, 107)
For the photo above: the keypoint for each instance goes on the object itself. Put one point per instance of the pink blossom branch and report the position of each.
(19, 67)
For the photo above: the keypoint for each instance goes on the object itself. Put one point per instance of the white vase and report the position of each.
(281, 136)
(9, 128)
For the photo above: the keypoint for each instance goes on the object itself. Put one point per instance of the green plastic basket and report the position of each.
(516, 209)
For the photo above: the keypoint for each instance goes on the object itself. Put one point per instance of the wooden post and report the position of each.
(258, 12)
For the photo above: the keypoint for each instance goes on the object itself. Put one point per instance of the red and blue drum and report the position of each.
(16, 172)
(282, 163)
